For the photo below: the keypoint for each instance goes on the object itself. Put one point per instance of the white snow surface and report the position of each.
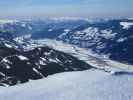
(122, 39)
(126, 25)
(7, 45)
(85, 85)
(22, 57)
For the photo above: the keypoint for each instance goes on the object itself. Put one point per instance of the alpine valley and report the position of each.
(66, 59)
(34, 49)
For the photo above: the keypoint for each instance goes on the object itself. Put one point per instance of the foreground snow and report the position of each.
(85, 85)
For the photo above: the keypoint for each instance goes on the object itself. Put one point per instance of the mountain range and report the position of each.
(25, 55)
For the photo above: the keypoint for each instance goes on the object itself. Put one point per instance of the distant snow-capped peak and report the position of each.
(4, 21)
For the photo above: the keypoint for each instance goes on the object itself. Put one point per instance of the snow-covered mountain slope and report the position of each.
(52, 27)
(88, 56)
(6, 40)
(21, 66)
(113, 38)
(85, 85)
(97, 42)
(116, 35)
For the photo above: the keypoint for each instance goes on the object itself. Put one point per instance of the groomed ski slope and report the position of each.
(85, 85)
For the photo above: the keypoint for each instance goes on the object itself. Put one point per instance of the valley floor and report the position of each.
(83, 85)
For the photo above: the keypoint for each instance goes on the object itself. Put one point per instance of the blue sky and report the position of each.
(62, 8)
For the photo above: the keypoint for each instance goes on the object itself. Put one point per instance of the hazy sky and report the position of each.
(62, 8)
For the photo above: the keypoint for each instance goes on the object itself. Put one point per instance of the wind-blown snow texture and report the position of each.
(85, 85)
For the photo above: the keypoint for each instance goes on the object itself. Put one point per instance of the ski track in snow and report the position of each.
(85, 85)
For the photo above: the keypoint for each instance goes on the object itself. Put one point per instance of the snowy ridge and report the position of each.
(68, 18)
